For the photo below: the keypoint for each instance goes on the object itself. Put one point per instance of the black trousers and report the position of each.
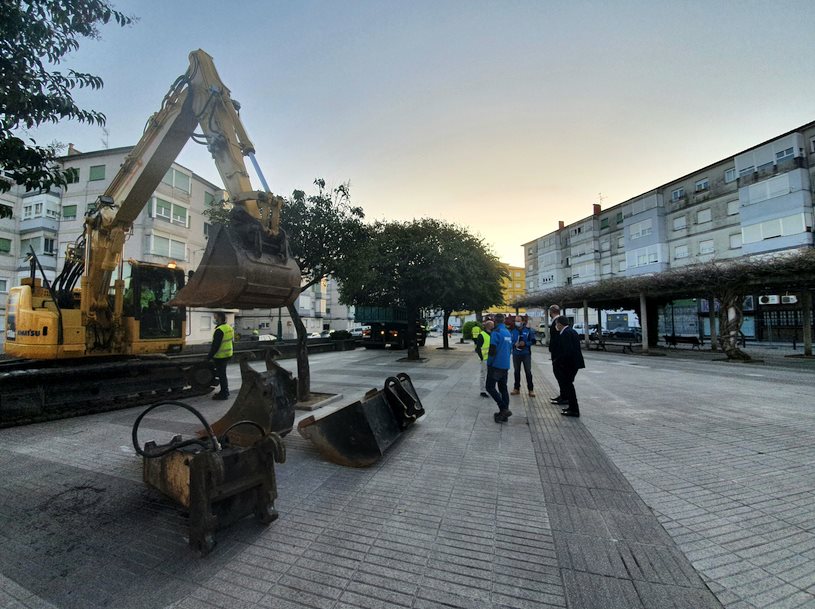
(568, 375)
(559, 378)
(220, 369)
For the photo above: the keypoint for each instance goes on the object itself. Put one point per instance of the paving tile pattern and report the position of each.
(611, 549)
(453, 515)
(727, 468)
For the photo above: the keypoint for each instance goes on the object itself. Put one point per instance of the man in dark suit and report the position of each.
(568, 361)
(554, 341)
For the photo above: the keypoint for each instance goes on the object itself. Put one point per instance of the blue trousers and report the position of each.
(498, 377)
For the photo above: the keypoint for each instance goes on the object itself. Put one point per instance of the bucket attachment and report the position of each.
(242, 268)
(265, 398)
(216, 482)
(358, 434)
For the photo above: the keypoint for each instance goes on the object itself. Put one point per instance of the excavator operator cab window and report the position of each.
(148, 289)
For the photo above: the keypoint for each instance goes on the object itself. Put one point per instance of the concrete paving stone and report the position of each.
(578, 520)
(310, 579)
(635, 527)
(472, 569)
(591, 591)
(217, 599)
(804, 582)
(798, 600)
(480, 592)
(390, 579)
(675, 597)
(427, 598)
(541, 549)
(505, 562)
(658, 564)
(416, 553)
(375, 596)
(235, 589)
(590, 554)
(763, 592)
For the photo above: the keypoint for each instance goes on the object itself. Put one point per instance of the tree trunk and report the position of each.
(714, 339)
(445, 335)
(413, 345)
(479, 317)
(303, 370)
(730, 318)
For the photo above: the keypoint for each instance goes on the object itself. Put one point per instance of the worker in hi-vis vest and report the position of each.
(482, 349)
(221, 352)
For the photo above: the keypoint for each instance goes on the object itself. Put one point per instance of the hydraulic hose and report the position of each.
(162, 450)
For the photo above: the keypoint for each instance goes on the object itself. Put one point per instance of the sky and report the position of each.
(503, 117)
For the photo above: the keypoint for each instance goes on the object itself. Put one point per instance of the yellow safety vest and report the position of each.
(485, 348)
(225, 350)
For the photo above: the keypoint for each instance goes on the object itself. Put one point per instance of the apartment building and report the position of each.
(171, 227)
(757, 202)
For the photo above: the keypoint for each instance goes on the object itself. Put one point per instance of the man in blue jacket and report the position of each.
(498, 368)
(522, 340)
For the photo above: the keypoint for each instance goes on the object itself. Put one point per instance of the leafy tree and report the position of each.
(419, 264)
(323, 230)
(35, 37)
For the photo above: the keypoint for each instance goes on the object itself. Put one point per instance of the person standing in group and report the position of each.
(554, 341)
(568, 361)
(482, 349)
(500, 356)
(523, 338)
(220, 352)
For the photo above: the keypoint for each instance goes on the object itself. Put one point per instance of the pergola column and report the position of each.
(806, 317)
(644, 322)
(711, 304)
(586, 323)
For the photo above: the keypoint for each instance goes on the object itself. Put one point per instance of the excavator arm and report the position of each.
(247, 263)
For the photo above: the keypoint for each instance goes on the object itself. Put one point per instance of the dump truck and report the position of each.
(387, 326)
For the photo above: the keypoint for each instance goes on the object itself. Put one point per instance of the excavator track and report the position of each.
(32, 392)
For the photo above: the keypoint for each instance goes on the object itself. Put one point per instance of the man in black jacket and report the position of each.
(568, 361)
(554, 340)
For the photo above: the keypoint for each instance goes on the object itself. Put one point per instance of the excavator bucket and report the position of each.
(265, 402)
(242, 269)
(358, 434)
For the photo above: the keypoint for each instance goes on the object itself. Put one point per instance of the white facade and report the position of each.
(171, 227)
(758, 202)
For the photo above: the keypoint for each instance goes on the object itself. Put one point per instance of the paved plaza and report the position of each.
(687, 482)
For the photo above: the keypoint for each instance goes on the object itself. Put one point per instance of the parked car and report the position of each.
(313, 335)
(325, 333)
(629, 333)
(359, 331)
(267, 337)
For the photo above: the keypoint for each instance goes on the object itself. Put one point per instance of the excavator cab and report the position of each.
(149, 288)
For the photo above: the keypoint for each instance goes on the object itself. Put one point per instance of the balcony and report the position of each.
(769, 170)
(28, 225)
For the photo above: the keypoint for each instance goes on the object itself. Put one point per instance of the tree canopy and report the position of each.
(35, 37)
(420, 264)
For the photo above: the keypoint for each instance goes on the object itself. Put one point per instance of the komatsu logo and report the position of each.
(29, 333)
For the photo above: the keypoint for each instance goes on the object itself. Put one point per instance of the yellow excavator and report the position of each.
(112, 338)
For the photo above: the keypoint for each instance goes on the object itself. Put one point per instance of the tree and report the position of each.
(419, 264)
(323, 230)
(35, 37)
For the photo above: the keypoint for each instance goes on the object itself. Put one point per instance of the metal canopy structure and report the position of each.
(792, 272)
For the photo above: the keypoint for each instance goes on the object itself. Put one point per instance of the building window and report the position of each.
(69, 212)
(677, 194)
(207, 229)
(5, 245)
(517, 285)
(641, 229)
(735, 241)
(706, 247)
(3, 285)
(209, 198)
(179, 215)
(619, 217)
(732, 207)
(178, 180)
(643, 256)
(605, 245)
(205, 323)
(702, 185)
(680, 251)
(168, 248)
(9, 211)
(620, 243)
(606, 268)
(702, 216)
(604, 223)
(163, 209)
(780, 156)
(96, 173)
(680, 222)
(51, 213)
(789, 225)
(72, 175)
(621, 266)
(747, 171)
(517, 273)
(48, 246)
(730, 175)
